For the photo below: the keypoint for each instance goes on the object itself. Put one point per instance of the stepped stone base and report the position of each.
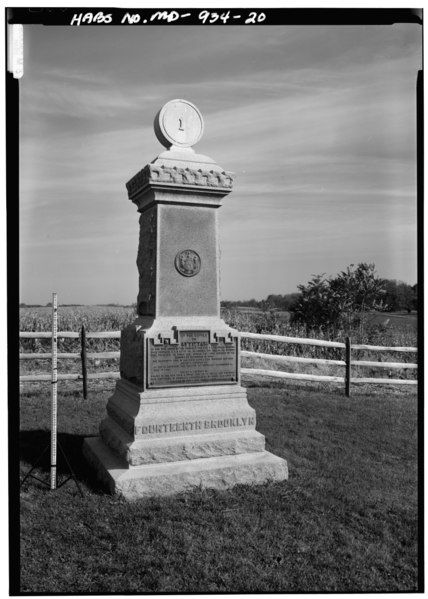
(173, 449)
(165, 441)
(169, 478)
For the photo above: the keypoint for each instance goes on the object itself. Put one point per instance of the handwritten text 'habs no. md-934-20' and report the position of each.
(204, 17)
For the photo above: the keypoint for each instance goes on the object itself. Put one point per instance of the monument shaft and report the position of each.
(164, 231)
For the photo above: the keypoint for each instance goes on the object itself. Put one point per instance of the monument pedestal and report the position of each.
(169, 478)
(179, 417)
(164, 441)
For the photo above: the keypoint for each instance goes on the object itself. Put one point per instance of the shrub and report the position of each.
(340, 303)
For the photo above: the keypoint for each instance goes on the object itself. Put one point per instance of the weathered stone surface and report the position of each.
(194, 175)
(176, 477)
(182, 411)
(137, 395)
(188, 228)
(132, 354)
(146, 262)
(178, 448)
(179, 123)
(175, 174)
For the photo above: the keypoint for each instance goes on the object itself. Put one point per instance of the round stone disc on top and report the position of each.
(179, 123)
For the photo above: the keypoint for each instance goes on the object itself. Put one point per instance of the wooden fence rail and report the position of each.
(299, 340)
(348, 362)
(71, 335)
(70, 376)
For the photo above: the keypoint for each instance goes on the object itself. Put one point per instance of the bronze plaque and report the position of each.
(192, 361)
(188, 263)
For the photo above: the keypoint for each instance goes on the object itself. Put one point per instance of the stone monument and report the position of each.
(179, 418)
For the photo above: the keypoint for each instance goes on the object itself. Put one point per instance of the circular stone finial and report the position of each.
(179, 123)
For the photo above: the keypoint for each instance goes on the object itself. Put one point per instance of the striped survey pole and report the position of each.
(54, 408)
(54, 399)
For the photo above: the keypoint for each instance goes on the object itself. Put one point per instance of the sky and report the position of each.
(318, 124)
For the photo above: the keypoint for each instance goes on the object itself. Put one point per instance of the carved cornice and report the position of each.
(153, 175)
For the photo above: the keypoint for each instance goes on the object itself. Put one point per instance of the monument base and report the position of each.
(169, 478)
(169, 440)
(174, 449)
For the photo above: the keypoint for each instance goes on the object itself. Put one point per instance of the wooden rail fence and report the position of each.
(347, 362)
(83, 355)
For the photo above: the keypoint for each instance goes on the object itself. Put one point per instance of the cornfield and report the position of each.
(103, 318)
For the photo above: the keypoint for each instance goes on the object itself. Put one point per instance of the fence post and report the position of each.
(83, 356)
(348, 366)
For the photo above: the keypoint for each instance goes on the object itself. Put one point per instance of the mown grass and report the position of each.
(346, 520)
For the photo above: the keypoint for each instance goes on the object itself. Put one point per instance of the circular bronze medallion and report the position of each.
(188, 263)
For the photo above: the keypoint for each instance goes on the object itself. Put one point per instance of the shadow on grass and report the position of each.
(35, 450)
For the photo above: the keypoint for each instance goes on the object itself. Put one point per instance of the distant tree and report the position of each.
(292, 300)
(282, 302)
(315, 307)
(405, 297)
(275, 301)
(415, 297)
(400, 296)
(265, 305)
(340, 303)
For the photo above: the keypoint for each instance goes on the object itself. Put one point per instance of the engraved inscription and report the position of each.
(194, 336)
(173, 427)
(193, 361)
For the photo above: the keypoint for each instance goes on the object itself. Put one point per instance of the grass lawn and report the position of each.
(346, 520)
